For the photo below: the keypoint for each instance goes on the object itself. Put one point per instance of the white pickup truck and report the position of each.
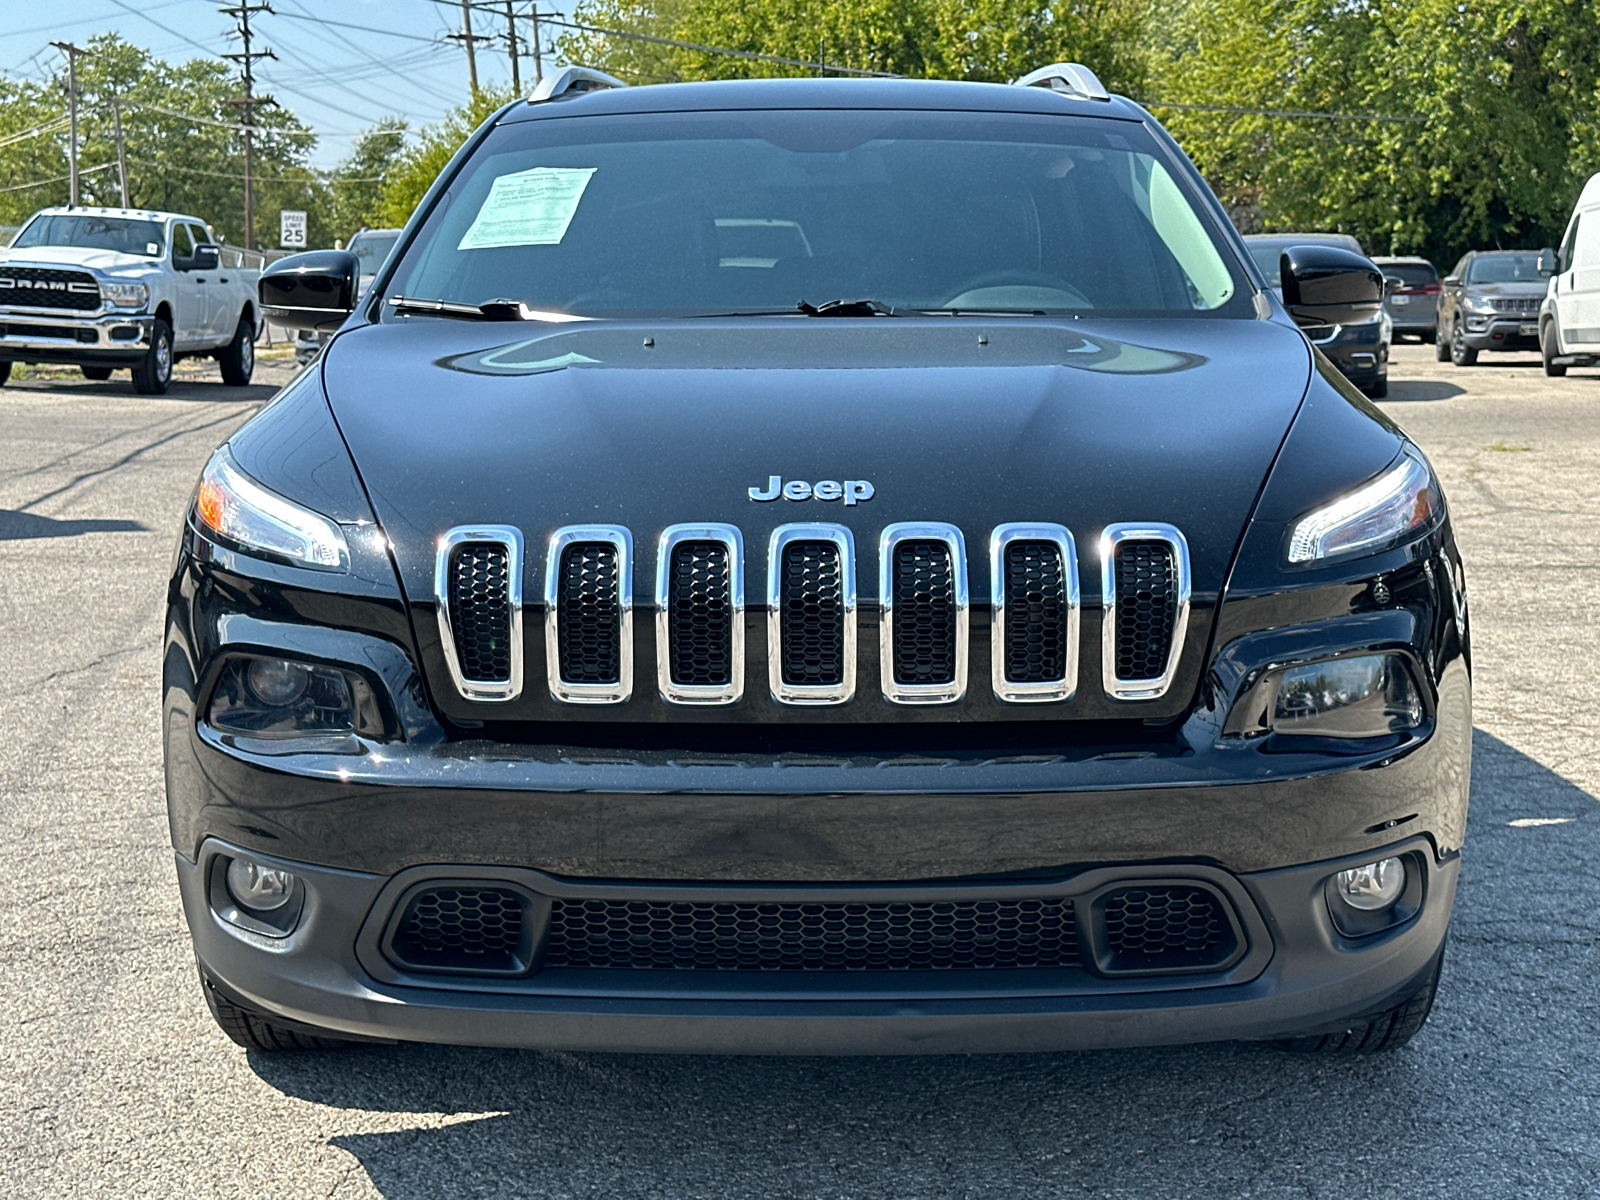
(112, 287)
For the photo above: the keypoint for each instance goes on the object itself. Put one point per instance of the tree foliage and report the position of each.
(416, 167)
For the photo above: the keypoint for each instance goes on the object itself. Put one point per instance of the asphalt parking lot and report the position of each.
(114, 1080)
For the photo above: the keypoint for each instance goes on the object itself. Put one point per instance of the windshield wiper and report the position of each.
(847, 308)
(489, 310)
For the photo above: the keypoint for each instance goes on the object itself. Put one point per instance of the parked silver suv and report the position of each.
(1412, 300)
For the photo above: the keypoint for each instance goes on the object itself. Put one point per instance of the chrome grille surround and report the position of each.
(808, 693)
(567, 691)
(895, 691)
(1042, 691)
(511, 538)
(1111, 538)
(690, 693)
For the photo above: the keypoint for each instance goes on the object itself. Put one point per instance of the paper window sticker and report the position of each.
(528, 208)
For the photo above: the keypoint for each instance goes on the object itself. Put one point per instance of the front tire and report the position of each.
(238, 358)
(98, 374)
(254, 1032)
(1388, 1030)
(1380, 388)
(1461, 354)
(1549, 347)
(153, 372)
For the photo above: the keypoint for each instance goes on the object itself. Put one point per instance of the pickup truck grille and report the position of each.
(39, 287)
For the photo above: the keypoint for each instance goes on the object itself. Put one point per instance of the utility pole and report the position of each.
(122, 159)
(470, 40)
(538, 53)
(247, 105)
(511, 42)
(73, 53)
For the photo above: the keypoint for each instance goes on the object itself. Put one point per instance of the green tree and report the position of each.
(415, 168)
(356, 186)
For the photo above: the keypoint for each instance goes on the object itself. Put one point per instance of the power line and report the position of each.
(183, 37)
(395, 33)
(20, 187)
(248, 103)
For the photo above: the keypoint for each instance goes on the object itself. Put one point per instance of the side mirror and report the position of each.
(206, 257)
(1451, 280)
(314, 291)
(1549, 262)
(1324, 285)
(1392, 284)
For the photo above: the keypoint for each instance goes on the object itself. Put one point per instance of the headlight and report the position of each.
(239, 510)
(1401, 503)
(1369, 696)
(125, 295)
(281, 698)
(1478, 304)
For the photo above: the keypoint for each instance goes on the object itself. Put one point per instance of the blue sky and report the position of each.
(337, 79)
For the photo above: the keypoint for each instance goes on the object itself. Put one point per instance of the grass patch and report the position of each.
(1504, 448)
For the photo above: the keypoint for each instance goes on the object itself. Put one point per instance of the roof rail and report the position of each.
(569, 81)
(1074, 79)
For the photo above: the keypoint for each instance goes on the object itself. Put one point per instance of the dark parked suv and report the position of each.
(1491, 301)
(819, 566)
(1359, 349)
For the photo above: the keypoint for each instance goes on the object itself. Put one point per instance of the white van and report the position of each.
(1569, 319)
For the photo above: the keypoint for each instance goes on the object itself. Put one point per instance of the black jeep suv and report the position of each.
(819, 566)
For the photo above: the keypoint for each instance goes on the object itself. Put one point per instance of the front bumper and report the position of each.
(120, 338)
(1519, 332)
(1298, 975)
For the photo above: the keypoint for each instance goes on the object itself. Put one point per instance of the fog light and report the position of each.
(275, 682)
(261, 889)
(1370, 888)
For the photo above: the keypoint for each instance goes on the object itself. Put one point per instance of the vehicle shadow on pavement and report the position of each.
(1423, 389)
(1505, 1070)
(23, 526)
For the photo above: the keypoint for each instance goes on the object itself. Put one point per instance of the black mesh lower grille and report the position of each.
(1036, 612)
(811, 614)
(462, 929)
(480, 611)
(1166, 927)
(924, 612)
(1147, 606)
(589, 614)
(822, 936)
(700, 614)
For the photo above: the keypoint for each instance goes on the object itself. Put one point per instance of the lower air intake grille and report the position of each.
(1147, 605)
(1036, 612)
(463, 929)
(811, 613)
(589, 614)
(1165, 928)
(700, 614)
(924, 613)
(822, 936)
(480, 611)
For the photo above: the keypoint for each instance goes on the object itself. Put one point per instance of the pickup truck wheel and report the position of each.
(238, 357)
(98, 374)
(1548, 349)
(153, 372)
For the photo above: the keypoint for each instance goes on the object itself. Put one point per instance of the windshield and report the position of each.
(701, 213)
(1414, 274)
(1505, 268)
(371, 249)
(125, 235)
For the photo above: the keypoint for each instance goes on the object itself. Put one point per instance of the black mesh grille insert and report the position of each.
(1166, 927)
(589, 614)
(811, 613)
(1147, 607)
(924, 612)
(700, 614)
(1036, 612)
(821, 936)
(462, 929)
(40, 287)
(480, 610)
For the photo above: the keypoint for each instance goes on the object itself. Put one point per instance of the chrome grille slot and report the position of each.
(811, 627)
(1034, 593)
(922, 584)
(1145, 590)
(700, 614)
(588, 614)
(478, 595)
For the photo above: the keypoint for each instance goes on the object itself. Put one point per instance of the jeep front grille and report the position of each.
(922, 585)
(40, 287)
(1033, 571)
(589, 614)
(1145, 589)
(811, 618)
(700, 614)
(478, 593)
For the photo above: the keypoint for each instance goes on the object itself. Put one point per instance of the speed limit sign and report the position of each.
(292, 228)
